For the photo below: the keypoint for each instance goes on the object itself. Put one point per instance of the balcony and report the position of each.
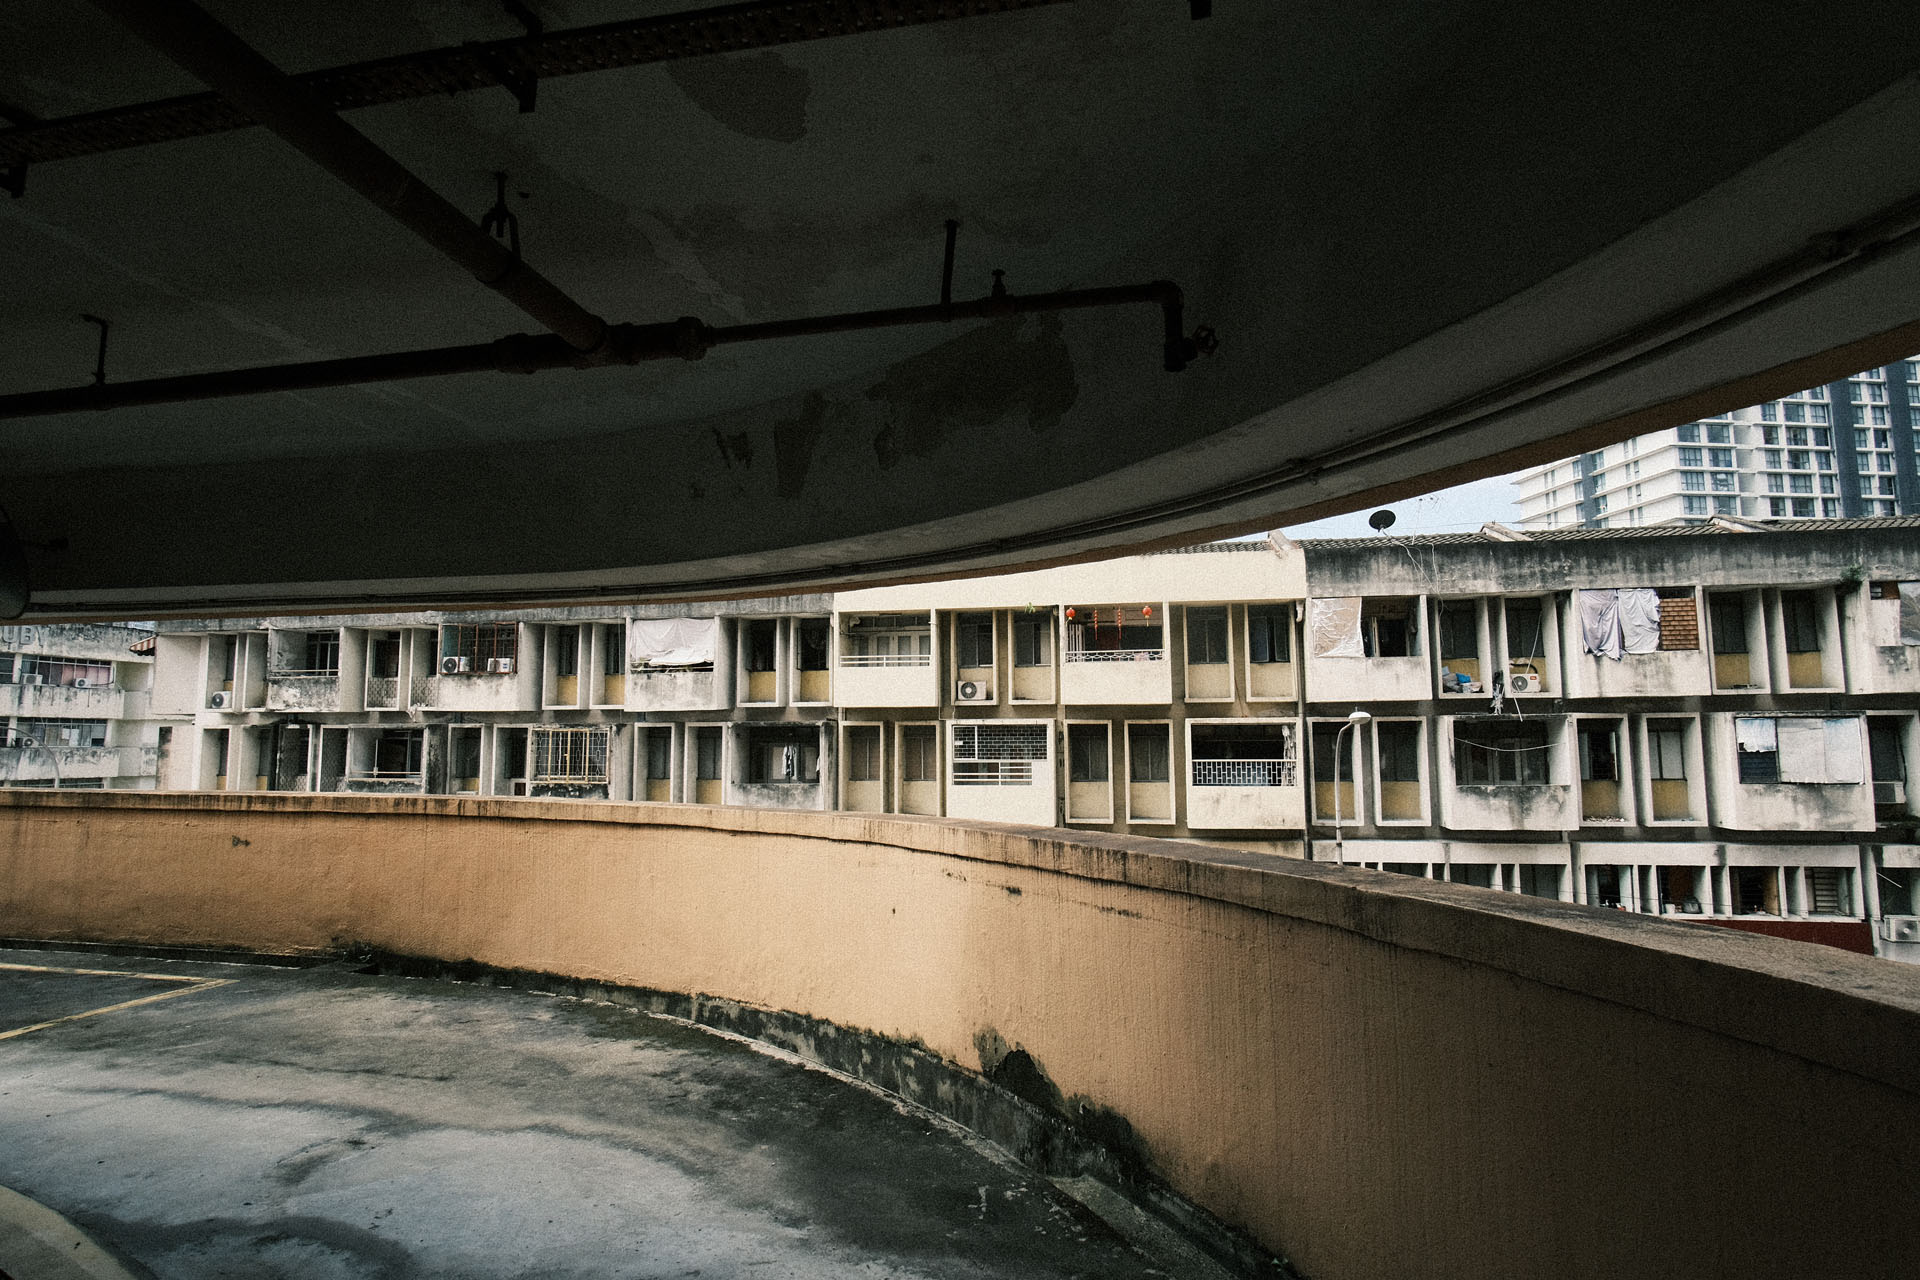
(677, 689)
(303, 691)
(62, 701)
(887, 680)
(498, 691)
(1116, 677)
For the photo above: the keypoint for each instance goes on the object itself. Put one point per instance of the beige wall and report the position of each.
(1379, 1076)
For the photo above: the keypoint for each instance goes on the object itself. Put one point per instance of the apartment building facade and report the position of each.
(74, 706)
(1708, 723)
(1842, 450)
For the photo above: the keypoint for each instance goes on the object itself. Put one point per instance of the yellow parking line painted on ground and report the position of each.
(104, 973)
(198, 984)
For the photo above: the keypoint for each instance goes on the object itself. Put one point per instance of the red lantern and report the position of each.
(1069, 613)
(1146, 611)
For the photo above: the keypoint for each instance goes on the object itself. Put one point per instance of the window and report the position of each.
(998, 754)
(1720, 457)
(397, 752)
(1802, 507)
(1600, 502)
(1032, 637)
(60, 733)
(1770, 435)
(1526, 633)
(1387, 629)
(566, 651)
(863, 753)
(1691, 458)
(659, 755)
(1805, 749)
(762, 641)
(1769, 413)
(1796, 412)
(1877, 415)
(1826, 484)
(1829, 507)
(1822, 438)
(613, 649)
(1667, 750)
(1689, 434)
(888, 640)
(1817, 413)
(1206, 635)
(1694, 482)
(1599, 479)
(1148, 758)
(1087, 753)
(1459, 630)
(67, 673)
(1801, 483)
(1797, 436)
(783, 754)
(1776, 506)
(1269, 633)
(1776, 459)
(1399, 745)
(706, 753)
(1883, 439)
(487, 648)
(1723, 482)
(812, 636)
(1244, 755)
(1829, 891)
(919, 754)
(1799, 460)
(973, 640)
(1719, 433)
(323, 652)
(1726, 506)
(570, 754)
(1499, 753)
(1800, 620)
(1600, 751)
(1692, 506)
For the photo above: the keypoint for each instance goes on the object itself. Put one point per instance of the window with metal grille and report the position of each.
(398, 752)
(1728, 615)
(613, 649)
(478, 649)
(71, 673)
(659, 755)
(1500, 753)
(783, 753)
(1459, 630)
(570, 754)
(707, 754)
(60, 733)
(1244, 755)
(1829, 891)
(566, 651)
(998, 755)
(323, 652)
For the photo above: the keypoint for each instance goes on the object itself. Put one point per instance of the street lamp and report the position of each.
(1358, 717)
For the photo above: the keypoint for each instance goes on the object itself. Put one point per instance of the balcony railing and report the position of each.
(383, 693)
(1245, 773)
(1116, 655)
(886, 659)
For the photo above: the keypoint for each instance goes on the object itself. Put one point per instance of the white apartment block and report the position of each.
(1842, 450)
(1716, 723)
(74, 706)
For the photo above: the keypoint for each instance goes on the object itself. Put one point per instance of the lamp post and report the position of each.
(1358, 717)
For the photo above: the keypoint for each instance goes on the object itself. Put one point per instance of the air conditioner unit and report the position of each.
(500, 666)
(1519, 683)
(973, 691)
(452, 666)
(219, 700)
(31, 679)
(80, 682)
(1900, 928)
(1889, 793)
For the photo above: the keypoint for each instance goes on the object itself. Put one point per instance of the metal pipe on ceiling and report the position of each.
(686, 338)
(204, 48)
(485, 64)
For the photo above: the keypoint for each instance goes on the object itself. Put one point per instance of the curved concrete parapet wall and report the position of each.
(1374, 1075)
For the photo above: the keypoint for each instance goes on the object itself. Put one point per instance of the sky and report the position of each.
(1461, 509)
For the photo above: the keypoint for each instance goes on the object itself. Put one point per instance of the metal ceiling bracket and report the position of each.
(510, 73)
(499, 221)
(100, 358)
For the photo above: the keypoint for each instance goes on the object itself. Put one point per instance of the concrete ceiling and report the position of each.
(1433, 240)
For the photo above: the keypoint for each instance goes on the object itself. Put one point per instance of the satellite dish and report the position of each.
(1381, 520)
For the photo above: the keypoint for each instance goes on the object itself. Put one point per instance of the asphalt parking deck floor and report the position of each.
(255, 1123)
